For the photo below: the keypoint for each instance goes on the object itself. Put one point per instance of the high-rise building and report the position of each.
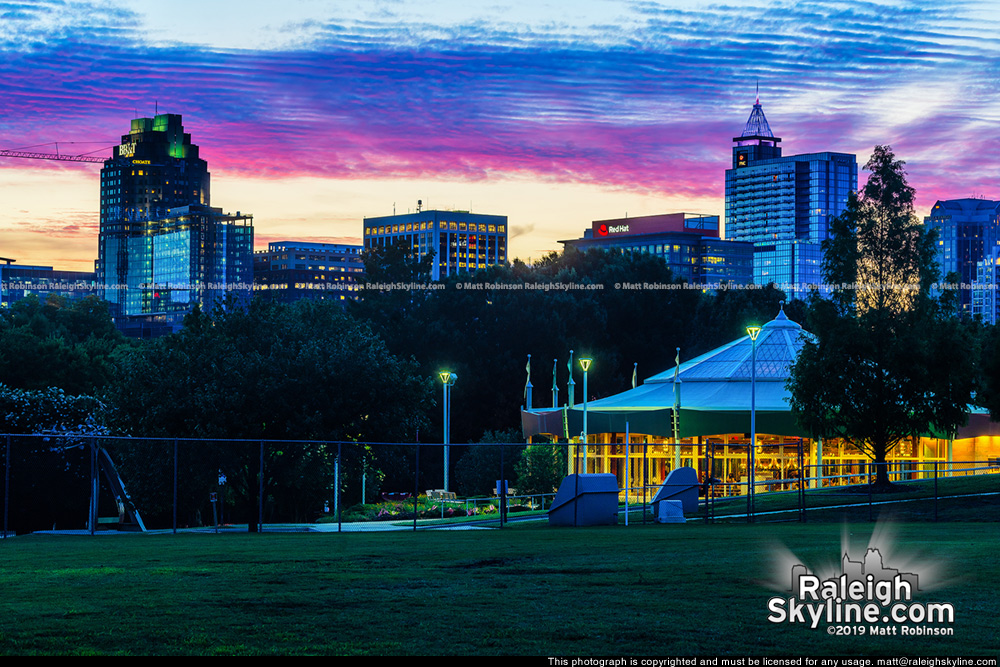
(197, 256)
(968, 246)
(689, 244)
(461, 241)
(784, 204)
(156, 228)
(291, 270)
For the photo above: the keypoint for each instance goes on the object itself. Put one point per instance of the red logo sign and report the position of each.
(602, 230)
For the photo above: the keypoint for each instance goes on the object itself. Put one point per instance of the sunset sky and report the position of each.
(315, 114)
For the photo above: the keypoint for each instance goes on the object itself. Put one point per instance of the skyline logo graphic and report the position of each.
(867, 597)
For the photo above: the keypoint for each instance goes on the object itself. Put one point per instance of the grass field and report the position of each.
(644, 590)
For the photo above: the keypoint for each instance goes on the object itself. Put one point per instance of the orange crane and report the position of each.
(24, 153)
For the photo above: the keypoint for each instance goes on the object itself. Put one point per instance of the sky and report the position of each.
(315, 114)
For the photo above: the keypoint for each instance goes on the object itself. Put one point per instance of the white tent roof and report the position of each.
(720, 379)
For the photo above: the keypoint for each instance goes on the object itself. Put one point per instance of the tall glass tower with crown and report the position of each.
(784, 204)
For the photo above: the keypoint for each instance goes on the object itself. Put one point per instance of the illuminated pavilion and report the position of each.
(711, 397)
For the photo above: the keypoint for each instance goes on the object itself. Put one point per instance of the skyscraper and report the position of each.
(968, 246)
(155, 221)
(784, 204)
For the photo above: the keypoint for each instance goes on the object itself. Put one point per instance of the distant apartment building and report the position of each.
(18, 281)
(784, 204)
(968, 246)
(461, 241)
(688, 243)
(291, 270)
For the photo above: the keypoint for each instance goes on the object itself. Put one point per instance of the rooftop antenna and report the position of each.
(758, 91)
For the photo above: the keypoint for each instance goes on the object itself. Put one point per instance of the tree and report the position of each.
(48, 471)
(306, 372)
(479, 468)
(890, 360)
(56, 343)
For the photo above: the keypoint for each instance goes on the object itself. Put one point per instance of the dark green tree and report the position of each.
(479, 468)
(305, 372)
(56, 343)
(890, 360)
(48, 471)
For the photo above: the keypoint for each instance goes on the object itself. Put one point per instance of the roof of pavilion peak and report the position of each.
(720, 379)
(778, 346)
(715, 391)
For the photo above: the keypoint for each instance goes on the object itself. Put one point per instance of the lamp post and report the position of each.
(753, 332)
(585, 365)
(447, 381)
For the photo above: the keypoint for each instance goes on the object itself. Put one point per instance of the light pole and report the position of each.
(753, 332)
(585, 365)
(447, 381)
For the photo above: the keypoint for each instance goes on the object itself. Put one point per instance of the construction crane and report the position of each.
(24, 153)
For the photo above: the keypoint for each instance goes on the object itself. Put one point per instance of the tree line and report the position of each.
(885, 365)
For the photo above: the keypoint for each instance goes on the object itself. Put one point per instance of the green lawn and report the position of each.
(911, 501)
(643, 590)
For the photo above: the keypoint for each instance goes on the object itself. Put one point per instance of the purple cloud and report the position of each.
(652, 109)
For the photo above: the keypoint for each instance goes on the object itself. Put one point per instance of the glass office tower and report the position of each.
(784, 204)
(968, 246)
(156, 227)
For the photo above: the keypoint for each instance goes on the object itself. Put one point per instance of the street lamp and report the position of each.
(447, 381)
(585, 365)
(753, 331)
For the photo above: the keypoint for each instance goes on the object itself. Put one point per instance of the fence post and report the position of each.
(503, 490)
(92, 512)
(416, 488)
(6, 487)
(260, 491)
(336, 490)
(645, 477)
(576, 486)
(935, 490)
(175, 486)
(871, 516)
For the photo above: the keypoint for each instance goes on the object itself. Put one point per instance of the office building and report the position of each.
(157, 229)
(18, 281)
(968, 246)
(784, 204)
(291, 270)
(688, 243)
(461, 241)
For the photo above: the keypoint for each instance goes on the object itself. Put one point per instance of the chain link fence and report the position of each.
(93, 483)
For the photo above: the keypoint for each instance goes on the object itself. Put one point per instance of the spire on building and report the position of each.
(757, 124)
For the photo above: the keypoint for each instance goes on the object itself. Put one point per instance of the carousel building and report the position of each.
(698, 414)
